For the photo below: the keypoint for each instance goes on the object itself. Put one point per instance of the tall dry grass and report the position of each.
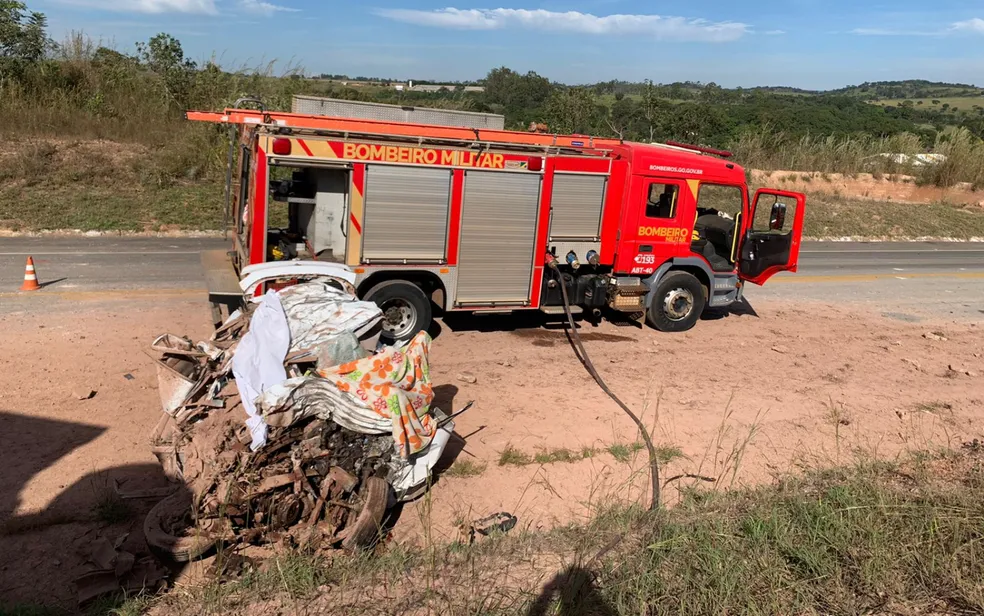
(88, 91)
(964, 160)
(772, 151)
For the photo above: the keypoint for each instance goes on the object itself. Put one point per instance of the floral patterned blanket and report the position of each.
(394, 383)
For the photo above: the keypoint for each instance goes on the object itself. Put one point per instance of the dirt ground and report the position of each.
(743, 396)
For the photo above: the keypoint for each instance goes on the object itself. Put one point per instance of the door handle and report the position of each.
(646, 248)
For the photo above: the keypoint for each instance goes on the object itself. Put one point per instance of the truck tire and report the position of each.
(158, 530)
(365, 530)
(678, 302)
(406, 309)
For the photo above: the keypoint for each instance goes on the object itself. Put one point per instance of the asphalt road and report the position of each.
(934, 276)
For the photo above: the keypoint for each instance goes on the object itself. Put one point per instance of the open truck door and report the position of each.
(772, 235)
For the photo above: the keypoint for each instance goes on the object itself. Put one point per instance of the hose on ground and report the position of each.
(579, 347)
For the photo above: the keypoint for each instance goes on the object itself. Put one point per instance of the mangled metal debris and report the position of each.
(110, 569)
(292, 426)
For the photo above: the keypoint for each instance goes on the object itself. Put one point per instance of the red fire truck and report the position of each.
(441, 218)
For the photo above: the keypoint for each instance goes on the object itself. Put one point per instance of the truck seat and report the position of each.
(716, 237)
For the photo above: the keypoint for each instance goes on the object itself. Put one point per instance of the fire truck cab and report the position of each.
(435, 218)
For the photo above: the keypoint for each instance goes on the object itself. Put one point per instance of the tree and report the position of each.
(521, 97)
(650, 106)
(164, 56)
(711, 93)
(23, 38)
(624, 115)
(571, 111)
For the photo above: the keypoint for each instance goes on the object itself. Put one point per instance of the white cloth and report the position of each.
(258, 363)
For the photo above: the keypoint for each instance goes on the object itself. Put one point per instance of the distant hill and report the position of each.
(911, 89)
(782, 90)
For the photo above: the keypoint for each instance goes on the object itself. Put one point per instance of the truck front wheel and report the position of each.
(677, 304)
(406, 309)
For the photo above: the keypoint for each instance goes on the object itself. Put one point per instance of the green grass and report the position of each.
(668, 453)
(841, 541)
(466, 468)
(111, 208)
(622, 452)
(119, 606)
(831, 216)
(510, 456)
(557, 455)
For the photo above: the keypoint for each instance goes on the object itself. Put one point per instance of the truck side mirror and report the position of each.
(777, 219)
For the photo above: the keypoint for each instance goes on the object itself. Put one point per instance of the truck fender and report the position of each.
(685, 263)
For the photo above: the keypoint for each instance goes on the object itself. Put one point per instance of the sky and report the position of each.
(813, 44)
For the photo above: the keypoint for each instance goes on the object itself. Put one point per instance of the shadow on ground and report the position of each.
(43, 551)
(535, 324)
(742, 308)
(574, 593)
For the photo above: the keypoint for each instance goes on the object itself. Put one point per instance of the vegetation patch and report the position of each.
(622, 452)
(466, 468)
(830, 216)
(874, 537)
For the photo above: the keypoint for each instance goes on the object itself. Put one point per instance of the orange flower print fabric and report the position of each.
(394, 383)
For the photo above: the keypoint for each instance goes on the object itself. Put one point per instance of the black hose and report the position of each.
(579, 347)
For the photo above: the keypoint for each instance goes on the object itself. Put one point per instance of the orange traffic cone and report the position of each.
(30, 277)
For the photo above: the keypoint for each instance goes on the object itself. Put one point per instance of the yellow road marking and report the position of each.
(870, 277)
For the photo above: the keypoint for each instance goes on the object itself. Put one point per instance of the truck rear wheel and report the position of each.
(406, 309)
(677, 304)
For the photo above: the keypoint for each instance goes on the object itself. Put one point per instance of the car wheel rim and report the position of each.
(399, 317)
(678, 305)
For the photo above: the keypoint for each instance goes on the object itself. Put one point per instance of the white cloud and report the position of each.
(151, 6)
(887, 32)
(975, 25)
(774, 32)
(666, 28)
(207, 7)
(264, 8)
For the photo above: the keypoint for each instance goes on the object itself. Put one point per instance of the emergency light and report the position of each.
(282, 147)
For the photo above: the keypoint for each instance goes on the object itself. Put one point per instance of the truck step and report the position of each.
(560, 309)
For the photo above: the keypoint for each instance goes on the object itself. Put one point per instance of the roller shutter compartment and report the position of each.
(576, 206)
(406, 213)
(498, 231)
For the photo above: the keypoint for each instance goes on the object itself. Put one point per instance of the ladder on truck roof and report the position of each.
(289, 123)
